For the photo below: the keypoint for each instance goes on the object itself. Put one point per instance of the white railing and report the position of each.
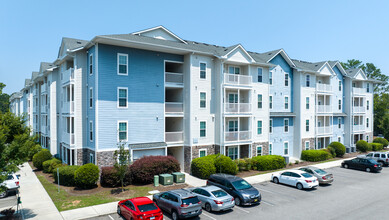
(359, 90)
(324, 130)
(72, 141)
(174, 107)
(44, 88)
(320, 87)
(174, 78)
(237, 79)
(237, 107)
(237, 135)
(359, 109)
(358, 128)
(177, 136)
(323, 109)
(71, 106)
(68, 75)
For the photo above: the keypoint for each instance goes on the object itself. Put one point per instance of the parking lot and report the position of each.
(353, 195)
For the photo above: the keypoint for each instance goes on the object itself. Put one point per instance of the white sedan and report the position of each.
(297, 178)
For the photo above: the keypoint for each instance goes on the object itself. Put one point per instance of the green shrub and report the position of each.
(315, 155)
(86, 176)
(109, 177)
(243, 164)
(340, 149)
(268, 162)
(363, 146)
(50, 165)
(203, 167)
(40, 157)
(382, 141)
(224, 164)
(144, 169)
(296, 162)
(66, 175)
(332, 151)
(375, 146)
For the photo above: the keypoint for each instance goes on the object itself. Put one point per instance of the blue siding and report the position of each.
(145, 83)
(278, 136)
(338, 132)
(91, 111)
(338, 94)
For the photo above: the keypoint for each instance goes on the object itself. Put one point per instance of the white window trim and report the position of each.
(261, 100)
(270, 151)
(90, 64)
(271, 107)
(283, 148)
(261, 150)
(309, 77)
(340, 86)
(340, 104)
(202, 62)
(205, 129)
(205, 100)
(121, 107)
(237, 155)
(118, 55)
(305, 145)
(286, 119)
(367, 122)
(339, 122)
(271, 125)
(90, 97)
(285, 80)
(203, 149)
(258, 75)
(270, 81)
(286, 96)
(261, 127)
(91, 157)
(118, 122)
(90, 131)
(339, 137)
(309, 125)
(309, 103)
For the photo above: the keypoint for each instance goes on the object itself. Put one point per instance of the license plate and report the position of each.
(152, 218)
(255, 200)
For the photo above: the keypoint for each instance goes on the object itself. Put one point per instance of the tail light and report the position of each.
(232, 199)
(218, 202)
(308, 181)
(17, 183)
(375, 165)
(324, 178)
(387, 160)
(207, 182)
(184, 205)
(199, 202)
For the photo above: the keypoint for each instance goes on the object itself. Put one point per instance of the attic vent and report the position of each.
(226, 49)
(78, 42)
(269, 54)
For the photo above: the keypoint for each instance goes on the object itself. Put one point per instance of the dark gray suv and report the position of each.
(179, 203)
(243, 192)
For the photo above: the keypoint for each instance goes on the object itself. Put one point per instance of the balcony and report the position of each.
(68, 76)
(44, 109)
(44, 88)
(323, 109)
(237, 108)
(324, 130)
(359, 91)
(357, 128)
(359, 109)
(174, 137)
(323, 88)
(68, 107)
(237, 79)
(174, 107)
(176, 79)
(44, 129)
(237, 136)
(68, 138)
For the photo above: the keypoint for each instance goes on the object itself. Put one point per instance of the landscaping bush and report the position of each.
(203, 167)
(376, 146)
(268, 162)
(144, 169)
(50, 165)
(362, 146)
(86, 176)
(332, 151)
(40, 157)
(224, 164)
(382, 141)
(66, 175)
(110, 178)
(243, 164)
(340, 149)
(315, 155)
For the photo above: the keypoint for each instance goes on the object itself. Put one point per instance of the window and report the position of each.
(286, 125)
(367, 104)
(233, 152)
(90, 97)
(367, 138)
(307, 80)
(367, 122)
(286, 148)
(286, 102)
(202, 152)
(203, 99)
(259, 74)
(340, 104)
(340, 85)
(122, 97)
(271, 126)
(368, 87)
(91, 131)
(90, 64)
(270, 148)
(307, 103)
(286, 79)
(339, 122)
(203, 128)
(232, 125)
(270, 77)
(91, 158)
(306, 145)
(203, 70)
(122, 131)
(259, 127)
(307, 125)
(271, 102)
(339, 139)
(122, 64)
(259, 150)
(233, 70)
(259, 100)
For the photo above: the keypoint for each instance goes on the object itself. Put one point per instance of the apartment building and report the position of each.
(162, 95)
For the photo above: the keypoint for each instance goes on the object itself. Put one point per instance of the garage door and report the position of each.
(150, 152)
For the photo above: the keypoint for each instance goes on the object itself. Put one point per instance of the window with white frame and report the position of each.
(368, 87)
(259, 100)
(340, 104)
(122, 64)
(339, 139)
(339, 122)
(306, 125)
(307, 80)
(233, 70)
(286, 148)
(306, 145)
(90, 97)
(122, 97)
(91, 158)
(259, 150)
(90, 130)
(122, 130)
(203, 99)
(367, 138)
(286, 79)
(233, 152)
(367, 122)
(340, 85)
(271, 102)
(203, 70)
(271, 126)
(202, 152)
(367, 105)
(270, 77)
(259, 127)
(286, 125)
(270, 148)
(203, 129)
(307, 103)
(286, 102)
(90, 64)
(259, 74)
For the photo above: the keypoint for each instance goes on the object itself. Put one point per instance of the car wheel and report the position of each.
(208, 207)
(299, 186)
(275, 180)
(346, 166)
(368, 169)
(237, 201)
(174, 215)
(118, 210)
(3, 194)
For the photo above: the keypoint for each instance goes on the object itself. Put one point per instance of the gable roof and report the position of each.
(268, 56)
(27, 83)
(161, 28)
(237, 47)
(337, 64)
(44, 66)
(34, 75)
(308, 66)
(71, 44)
(354, 72)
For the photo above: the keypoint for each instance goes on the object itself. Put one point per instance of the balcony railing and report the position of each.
(324, 130)
(323, 109)
(359, 109)
(237, 107)
(357, 90)
(68, 76)
(72, 140)
(174, 78)
(44, 88)
(68, 107)
(176, 136)
(237, 135)
(174, 107)
(237, 79)
(68, 138)
(358, 128)
(320, 87)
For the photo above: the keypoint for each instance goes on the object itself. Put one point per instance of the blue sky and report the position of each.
(31, 31)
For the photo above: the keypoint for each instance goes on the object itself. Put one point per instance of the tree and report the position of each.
(381, 112)
(122, 161)
(4, 99)
(351, 64)
(375, 73)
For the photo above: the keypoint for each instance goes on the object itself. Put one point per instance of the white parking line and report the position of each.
(110, 217)
(209, 216)
(267, 203)
(241, 209)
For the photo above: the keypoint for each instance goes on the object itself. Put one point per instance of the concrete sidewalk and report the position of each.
(36, 203)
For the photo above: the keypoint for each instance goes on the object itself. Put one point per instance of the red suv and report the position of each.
(140, 208)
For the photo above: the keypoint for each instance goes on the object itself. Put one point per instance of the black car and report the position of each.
(243, 192)
(369, 165)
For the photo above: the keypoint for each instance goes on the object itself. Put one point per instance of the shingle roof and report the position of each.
(352, 72)
(304, 65)
(267, 55)
(27, 82)
(34, 75)
(72, 43)
(45, 65)
(332, 63)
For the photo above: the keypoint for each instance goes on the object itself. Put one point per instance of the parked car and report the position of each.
(11, 185)
(213, 198)
(297, 178)
(322, 176)
(179, 203)
(242, 191)
(381, 157)
(140, 208)
(369, 165)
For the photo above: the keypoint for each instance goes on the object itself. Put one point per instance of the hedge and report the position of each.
(268, 162)
(315, 155)
(243, 164)
(50, 165)
(225, 164)
(382, 141)
(40, 157)
(86, 176)
(340, 149)
(203, 167)
(66, 175)
(110, 178)
(362, 146)
(144, 169)
(376, 146)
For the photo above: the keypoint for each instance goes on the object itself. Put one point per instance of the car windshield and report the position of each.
(372, 161)
(190, 200)
(241, 184)
(147, 207)
(306, 175)
(219, 193)
(320, 171)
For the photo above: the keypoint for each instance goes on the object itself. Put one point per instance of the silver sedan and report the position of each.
(322, 176)
(213, 198)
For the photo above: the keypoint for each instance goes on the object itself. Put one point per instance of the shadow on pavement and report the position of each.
(28, 213)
